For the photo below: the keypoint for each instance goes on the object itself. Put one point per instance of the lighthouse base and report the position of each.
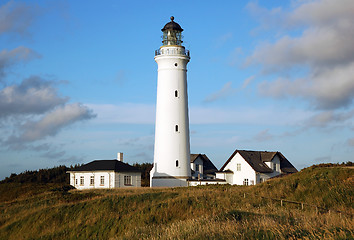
(169, 182)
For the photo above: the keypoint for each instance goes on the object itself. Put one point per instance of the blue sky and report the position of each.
(78, 79)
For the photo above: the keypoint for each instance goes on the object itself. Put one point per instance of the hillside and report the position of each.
(49, 211)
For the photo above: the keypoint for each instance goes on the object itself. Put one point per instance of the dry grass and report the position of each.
(211, 212)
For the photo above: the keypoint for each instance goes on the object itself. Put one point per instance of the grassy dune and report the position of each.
(29, 211)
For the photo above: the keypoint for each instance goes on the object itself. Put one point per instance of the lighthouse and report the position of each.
(172, 149)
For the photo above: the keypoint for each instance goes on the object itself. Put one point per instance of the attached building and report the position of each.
(253, 167)
(202, 167)
(203, 171)
(105, 174)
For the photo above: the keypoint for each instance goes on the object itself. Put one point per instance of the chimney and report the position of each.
(120, 156)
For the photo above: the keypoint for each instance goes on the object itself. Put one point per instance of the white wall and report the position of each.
(108, 179)
(246, 172)
(135, 177)
(171, 110)
(111, 179)
(198, 161)
(197, 183)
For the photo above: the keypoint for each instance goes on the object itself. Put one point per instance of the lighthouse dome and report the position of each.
(172, 26)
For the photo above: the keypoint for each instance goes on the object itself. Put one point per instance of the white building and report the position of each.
(253, 167)
(172, 149)
(203, 171)
(105, 174)
(202, 167)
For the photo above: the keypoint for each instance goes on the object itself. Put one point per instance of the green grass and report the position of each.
(205, 212)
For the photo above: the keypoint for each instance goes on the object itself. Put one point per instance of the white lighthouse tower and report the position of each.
(172, 152)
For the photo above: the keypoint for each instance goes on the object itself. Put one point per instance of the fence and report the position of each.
(302, 204)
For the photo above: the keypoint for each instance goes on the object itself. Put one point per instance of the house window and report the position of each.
(92, 180)
(245, 182)
(82, 180)
(238, 166)
(274, 166)
(176, 128)
(197, 167)
(261, 180)
(127, 180)
(176, 163)
(76, 181)
(102, 180)
(176, 93)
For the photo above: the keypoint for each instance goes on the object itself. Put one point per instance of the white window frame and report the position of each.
(92, 180)
(102, 180)
(238, 167)
(82, 180)
(128, 180)
(76, 181)
(245, 182)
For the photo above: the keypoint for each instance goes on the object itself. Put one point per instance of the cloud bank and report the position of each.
(323, 49)
(32, 109)
(17, 17)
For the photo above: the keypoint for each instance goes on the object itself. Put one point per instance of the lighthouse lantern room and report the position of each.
(172, 148)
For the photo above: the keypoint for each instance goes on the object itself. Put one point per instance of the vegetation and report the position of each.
(51, 211)
(145, 173)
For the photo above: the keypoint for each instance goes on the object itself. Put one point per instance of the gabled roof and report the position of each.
(208, 166)
(110, 165)
(257, 159)
(285, 165)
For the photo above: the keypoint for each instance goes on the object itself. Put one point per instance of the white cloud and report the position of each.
(247, 81)
(17, 55)
(330, 118)
(263, 135)
(221, 40)
(51, 123)
(33, 95)
(124, 113)
(350, 142)
(16, 17)
(132, 113)
(226, 91)
(324, 49)
(326, 89)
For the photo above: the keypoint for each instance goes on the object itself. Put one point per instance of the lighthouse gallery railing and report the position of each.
(172, 51)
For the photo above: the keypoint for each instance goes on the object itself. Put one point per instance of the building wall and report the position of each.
(196, 162)
(135, 180)
(246, 172)
(204, 182)
(111, 179)
(274, 163)
(108, 176)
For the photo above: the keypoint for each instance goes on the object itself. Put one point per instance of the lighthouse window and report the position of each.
(176, 163)
(176, 128)
(176, 64)
(176, 93)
